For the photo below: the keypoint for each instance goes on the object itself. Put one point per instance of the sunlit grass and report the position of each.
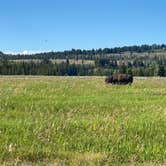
(81, 120)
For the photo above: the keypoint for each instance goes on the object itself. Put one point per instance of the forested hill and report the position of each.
(89, 54)
(1, 53)
(142, 60)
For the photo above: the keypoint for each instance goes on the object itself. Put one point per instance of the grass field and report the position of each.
(58, 61)
(82, 121)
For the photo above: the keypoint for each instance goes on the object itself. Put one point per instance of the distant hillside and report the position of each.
(142, 60)
(91, 54)
(1, 53)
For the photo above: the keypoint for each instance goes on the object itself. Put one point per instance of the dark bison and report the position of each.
(119, 79)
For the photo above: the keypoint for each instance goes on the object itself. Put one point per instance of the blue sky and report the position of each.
(44, 25)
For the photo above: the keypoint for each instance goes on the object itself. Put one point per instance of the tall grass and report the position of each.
(81, 120)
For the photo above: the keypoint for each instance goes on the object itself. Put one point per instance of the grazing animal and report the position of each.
(119, 79)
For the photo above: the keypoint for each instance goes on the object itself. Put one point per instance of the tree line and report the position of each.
(142, 60)
(102, 67)
(88, 54)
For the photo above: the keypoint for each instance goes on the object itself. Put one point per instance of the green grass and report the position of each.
(82, 121)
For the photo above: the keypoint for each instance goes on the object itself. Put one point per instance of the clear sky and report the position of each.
(44, 25)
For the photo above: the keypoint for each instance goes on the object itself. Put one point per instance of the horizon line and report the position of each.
(30, 52)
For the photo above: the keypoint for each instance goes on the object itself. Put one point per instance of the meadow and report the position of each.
(82, 121)
(58, 61)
